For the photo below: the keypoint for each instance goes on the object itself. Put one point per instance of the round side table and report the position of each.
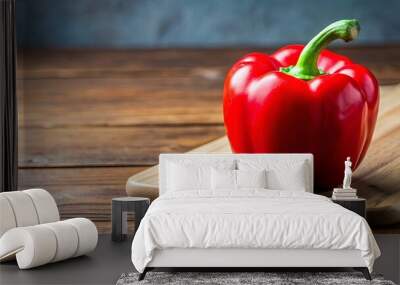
(120, 208)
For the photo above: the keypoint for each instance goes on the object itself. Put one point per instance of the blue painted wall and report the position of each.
(196, 23)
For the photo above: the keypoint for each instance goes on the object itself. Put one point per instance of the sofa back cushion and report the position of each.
(26, 208)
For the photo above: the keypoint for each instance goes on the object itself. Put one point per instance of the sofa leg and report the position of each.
(142, 275)
(364, 271)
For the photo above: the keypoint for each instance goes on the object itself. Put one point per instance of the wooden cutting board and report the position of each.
(377, 179)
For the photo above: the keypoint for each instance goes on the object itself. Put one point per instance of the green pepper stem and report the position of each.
(306, 67)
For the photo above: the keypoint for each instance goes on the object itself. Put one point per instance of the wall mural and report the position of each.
(100, 99)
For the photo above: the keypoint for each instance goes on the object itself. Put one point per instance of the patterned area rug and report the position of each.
(232, 278)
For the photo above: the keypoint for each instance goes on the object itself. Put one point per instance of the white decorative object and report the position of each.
(347, 174)
(31, 231)
(345, 193)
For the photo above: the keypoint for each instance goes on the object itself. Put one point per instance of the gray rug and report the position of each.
(232, 278)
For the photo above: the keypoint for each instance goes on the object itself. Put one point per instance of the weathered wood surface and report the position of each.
(89, 119)
(204, 65)
(103, 88)
(108, 146)
(121, 102)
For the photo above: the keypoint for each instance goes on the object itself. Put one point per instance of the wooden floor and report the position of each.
(89, 119)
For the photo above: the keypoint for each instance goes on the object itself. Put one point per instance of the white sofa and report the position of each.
(31, 230)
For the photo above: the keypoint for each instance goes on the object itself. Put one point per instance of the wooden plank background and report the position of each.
(89, 119)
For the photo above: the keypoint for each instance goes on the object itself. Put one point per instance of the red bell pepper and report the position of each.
(304, 100)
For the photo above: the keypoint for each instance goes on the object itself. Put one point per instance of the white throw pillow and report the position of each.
(251, 178)
(223, 179)
(188, 177)
(226, 179)
(292, 179)
(281, 175)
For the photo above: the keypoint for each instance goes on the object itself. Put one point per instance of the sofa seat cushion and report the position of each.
(41, 244)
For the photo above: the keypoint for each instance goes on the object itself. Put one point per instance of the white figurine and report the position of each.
(347, 174)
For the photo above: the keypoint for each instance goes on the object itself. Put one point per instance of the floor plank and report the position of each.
(202, 63)
(92, 176)
(119, 102)
(129, 87)
(108, 146)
